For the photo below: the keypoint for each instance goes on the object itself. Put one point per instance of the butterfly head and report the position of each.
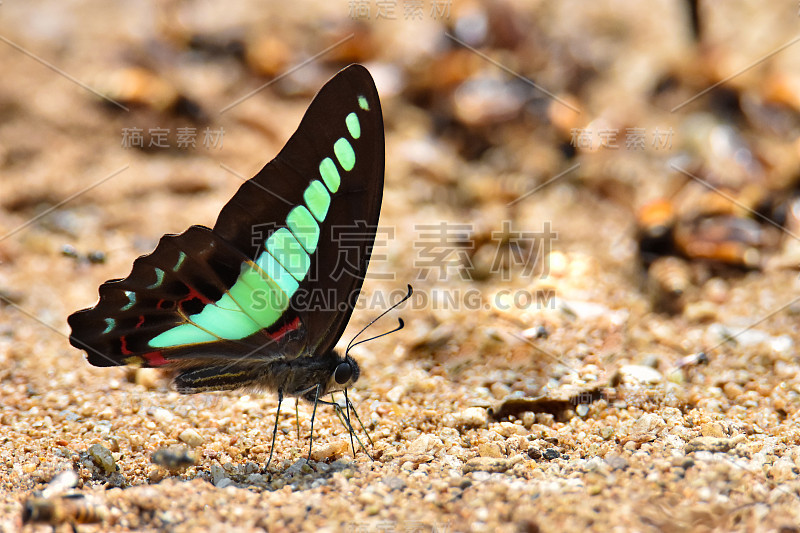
(344, 374)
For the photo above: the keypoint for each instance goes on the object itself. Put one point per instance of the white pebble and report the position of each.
(191, 437)
(472, 417)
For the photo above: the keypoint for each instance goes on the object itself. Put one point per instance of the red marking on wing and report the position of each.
(141, 321)
(194, 294)
(123, 347)
(155, 358)
(278, 335)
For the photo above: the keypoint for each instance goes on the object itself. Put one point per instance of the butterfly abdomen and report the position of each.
(294, 377)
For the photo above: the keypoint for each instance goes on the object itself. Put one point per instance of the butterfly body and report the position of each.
(260, 300)
(307, 377)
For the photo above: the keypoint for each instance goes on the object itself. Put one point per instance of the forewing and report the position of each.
(339, 143)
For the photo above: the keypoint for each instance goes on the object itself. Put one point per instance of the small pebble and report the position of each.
(640, 374)
(395, 394)
(534, 453)
(528, 419)
(217, 473)
(102, 458)
(423, 444)
(713, 444)
(712, 429)
(702, 311)
(173, 458)
(162, 415)
(472, 417)
(538, 332)
(490, 449)
(551, 453)
(224, 482)
(191, 437)
(617, 462)
(147, 377)
(330, 450)
(649, 424)
(487, 464)
(256, 479)
(395, 483)
(783, 470)
(507, 429)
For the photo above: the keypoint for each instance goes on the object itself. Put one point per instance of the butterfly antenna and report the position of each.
(401, 326)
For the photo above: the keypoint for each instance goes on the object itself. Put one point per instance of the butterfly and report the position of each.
(261, 299)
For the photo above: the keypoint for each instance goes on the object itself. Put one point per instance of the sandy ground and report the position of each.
(565, 397)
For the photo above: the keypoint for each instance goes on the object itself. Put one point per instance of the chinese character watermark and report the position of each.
(410, 9)
(185, 138)
(606, 138)
(447, 248)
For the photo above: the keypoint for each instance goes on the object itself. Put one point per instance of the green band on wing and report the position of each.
(284, 281)
(180, 335)
(317, 199)
(353, 126)
(111, 323)
(304, 228)
(362, 103)
(254, 302)
(345, 154)
(222, 321)
(287, 251)
(327, 169)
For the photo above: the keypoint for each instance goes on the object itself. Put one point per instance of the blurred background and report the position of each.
(568, 184)
(583, 194)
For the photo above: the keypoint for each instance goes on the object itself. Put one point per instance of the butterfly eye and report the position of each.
(343, 373)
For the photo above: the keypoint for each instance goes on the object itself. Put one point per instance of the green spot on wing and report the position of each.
(362, 103)
(345, 154)
(327, 169)
(317, 199)
(287, 251)
(111, 323)
(304, 228)
(181, 259)
(159, 279)
(353, 126)
(131, 300)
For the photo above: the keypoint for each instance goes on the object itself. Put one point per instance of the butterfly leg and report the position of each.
(313, 414)
(347, 405)
(344, 419)
(297, 416)
(274, 430)
(364, 429)
(348, 426)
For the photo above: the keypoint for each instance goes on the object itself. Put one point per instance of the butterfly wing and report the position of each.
(264, 282)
